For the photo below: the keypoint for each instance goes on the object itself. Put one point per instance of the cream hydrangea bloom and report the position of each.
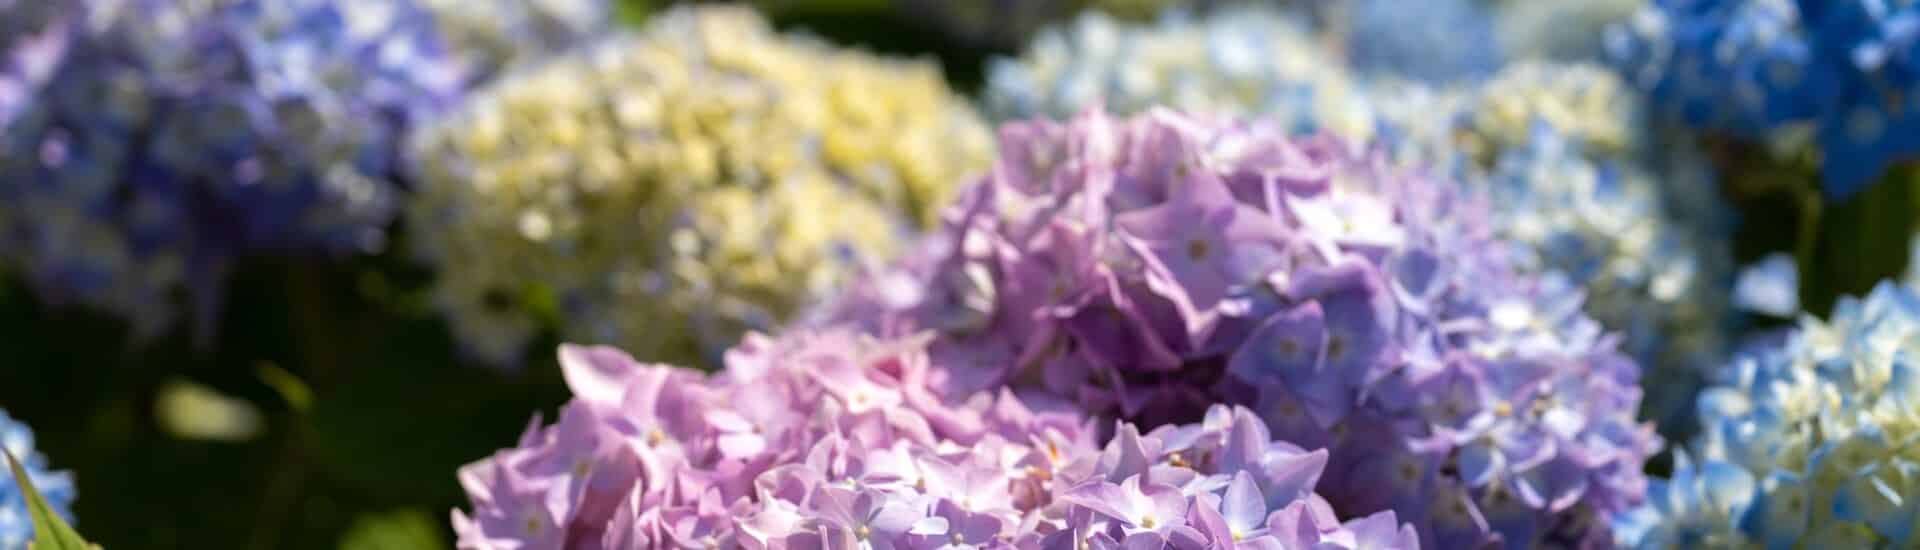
(702, 176)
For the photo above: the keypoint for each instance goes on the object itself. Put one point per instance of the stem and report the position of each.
(317, 341)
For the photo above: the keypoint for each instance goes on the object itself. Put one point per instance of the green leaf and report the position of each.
(50, 532)
(398, 530)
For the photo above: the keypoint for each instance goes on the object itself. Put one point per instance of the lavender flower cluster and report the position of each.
(1562, 147)
(1844, 70)
(172, 138)
(16, 522)
(1145, 267)
(1806, 441)
(664, 190)
(827, 439)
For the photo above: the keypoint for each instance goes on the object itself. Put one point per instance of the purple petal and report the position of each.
(1244, 507)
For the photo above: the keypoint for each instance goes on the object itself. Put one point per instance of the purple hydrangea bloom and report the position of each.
(1146, 267)
(172, 138)
(829, 439)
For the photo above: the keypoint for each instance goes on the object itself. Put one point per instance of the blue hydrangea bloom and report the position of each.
(1806, 441)
(172, 138)
(1846, 70)
(16, 524)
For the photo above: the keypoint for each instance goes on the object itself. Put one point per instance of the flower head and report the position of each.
(1804, 441)
(722, 137)
(1360, 306)
(1582, 189)
(650, 454)
(172, 139)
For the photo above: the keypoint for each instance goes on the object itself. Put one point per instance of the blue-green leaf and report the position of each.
(49, 531)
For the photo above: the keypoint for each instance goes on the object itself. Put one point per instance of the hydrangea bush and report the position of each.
(1844, 71)
(668, 189)
(827, 439)
(1806, 441)
(174, 137)
(1145, 267)
(16, 523)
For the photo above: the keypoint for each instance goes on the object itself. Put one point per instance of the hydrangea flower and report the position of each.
(828, 439)
(1805, 442)
(1563, 148)
(175, 137)
(664, 190)
(1145, 267)
(16, 523)
(1845, 70)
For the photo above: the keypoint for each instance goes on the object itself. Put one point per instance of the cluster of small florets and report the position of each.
(173, 137)
(1562, 147)
(1805, 442)
(1230, 62)
(666, 190)
(1146, 267)
(830, 440)
(1846, 70)
(16, 522)
(1582, 196)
